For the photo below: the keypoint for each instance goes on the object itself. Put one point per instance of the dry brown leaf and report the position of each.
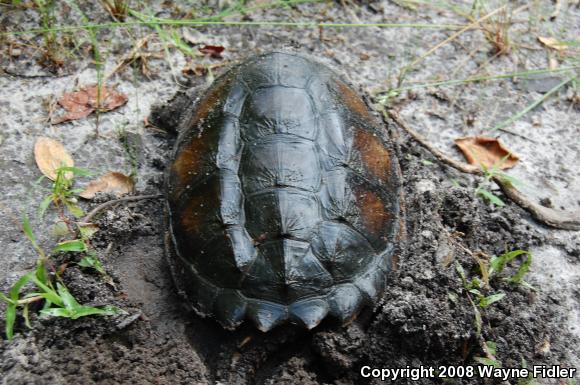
(112, 182)
(213, 51)
(486, 152)
(50, 154)
(194, 69)
(550, 42)
(82, 103)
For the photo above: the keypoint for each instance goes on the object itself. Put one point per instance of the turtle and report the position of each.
(284, 197)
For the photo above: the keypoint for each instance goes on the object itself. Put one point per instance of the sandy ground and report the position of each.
(425, 317)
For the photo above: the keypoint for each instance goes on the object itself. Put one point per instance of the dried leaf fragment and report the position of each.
(214, 51)
(486, 152)
(82, 103)
(552, 43)
(50, 155)
(112, 182)
(194, 69)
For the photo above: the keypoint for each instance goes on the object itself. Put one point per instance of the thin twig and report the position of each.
(550, 217)
(102, 206)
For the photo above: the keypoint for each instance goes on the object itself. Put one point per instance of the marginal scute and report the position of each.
(230, 308)
(266, 315)
(192, 164)
(371, 284)
(375, 219)
(345, 302)
(219, 264)
(200, 210)
(374, 156)
(200, 289)
(354, 102)
(309, 312)
(209, 103)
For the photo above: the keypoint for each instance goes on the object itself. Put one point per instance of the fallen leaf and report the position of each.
(82, 103)
(486, 152)
(112, 182)
(50, 154)
(194, 69)
(76, 104)
(214, 51)
(550, 42)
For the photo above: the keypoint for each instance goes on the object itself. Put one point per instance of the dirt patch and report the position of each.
(425, 317)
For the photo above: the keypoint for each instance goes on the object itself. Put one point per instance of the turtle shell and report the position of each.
(284, 197)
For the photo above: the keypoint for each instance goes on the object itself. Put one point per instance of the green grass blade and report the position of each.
(48, 293)
(57, 312)
(17, 287)
(28, 231)
(524, 267)
(84, 311)
(202, 23)
(494, 199)
(44, 206)
(10, 320)
(486, 301)
(4, 298)
(67, 298)
(77, 245)
(92, 262)
(497, 264)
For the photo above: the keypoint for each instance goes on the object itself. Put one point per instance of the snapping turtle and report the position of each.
(284, 197)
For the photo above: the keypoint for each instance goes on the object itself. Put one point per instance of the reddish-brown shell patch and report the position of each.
(193, 156)
(209, 102)
(189, 163)
(194, 215)
(354, 102)
(374, 155)
(373, 212)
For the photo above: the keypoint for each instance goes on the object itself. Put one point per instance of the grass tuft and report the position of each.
(46, 285)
